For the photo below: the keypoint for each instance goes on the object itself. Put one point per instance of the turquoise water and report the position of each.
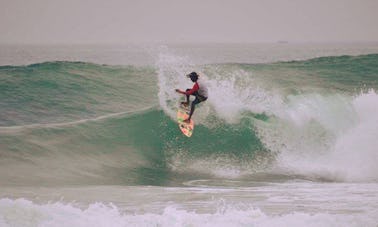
(70, 126)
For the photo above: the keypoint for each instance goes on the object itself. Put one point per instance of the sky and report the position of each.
(192, 21)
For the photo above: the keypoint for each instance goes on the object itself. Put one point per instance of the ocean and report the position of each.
(287, 137)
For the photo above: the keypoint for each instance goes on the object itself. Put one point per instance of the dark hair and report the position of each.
(193, 76)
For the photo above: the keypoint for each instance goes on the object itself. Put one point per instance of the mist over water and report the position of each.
(271, 131)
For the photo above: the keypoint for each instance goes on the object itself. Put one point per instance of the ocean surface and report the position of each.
(288, 136)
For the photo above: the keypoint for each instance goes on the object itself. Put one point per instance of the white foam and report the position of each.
(21, 212)
(234, 91)
(355, 153)
(338, 142)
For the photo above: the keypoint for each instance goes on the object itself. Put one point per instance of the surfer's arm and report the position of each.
(193, 90)
(189, 92)
(179, 91)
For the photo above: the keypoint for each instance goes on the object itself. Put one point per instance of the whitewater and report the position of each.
(288, 136)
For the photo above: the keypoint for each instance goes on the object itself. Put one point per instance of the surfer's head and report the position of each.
(193, 76)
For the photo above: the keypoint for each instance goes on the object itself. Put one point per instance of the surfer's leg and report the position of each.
(192, 108)
(187, 99)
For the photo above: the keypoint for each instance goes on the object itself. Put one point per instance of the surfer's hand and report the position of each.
(177, 90)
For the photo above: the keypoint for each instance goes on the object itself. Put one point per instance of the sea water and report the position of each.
(288, 136)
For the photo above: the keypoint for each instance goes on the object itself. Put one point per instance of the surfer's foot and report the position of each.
(187, 120)
(185, 103)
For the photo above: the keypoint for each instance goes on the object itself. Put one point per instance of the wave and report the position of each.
(95, 124)
(98, 214)
(67, 91)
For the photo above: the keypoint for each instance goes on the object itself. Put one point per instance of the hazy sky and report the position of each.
(125, 21)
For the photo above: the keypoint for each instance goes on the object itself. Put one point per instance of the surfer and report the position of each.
(198, 90)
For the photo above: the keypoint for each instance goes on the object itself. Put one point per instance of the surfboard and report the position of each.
(182, 114)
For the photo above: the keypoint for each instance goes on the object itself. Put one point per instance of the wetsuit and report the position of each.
(200, 92)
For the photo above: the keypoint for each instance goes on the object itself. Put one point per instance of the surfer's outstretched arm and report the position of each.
(179, 91)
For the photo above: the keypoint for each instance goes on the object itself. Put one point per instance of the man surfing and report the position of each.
(198, 90)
